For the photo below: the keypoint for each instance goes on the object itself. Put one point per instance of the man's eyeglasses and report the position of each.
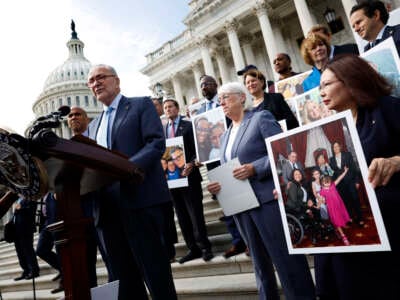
(204, 84)
(99, 78)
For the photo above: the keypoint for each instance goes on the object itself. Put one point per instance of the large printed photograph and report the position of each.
(173, 161)
(208, 128)
(326, 202)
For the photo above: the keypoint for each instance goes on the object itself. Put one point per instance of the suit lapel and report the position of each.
(241, 131)
(181, 125)
(122, 110)
(225, 143)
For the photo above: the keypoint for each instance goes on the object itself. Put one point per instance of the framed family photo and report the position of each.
(207, 129)
(385, 60)
(173, 162)
(326, 202)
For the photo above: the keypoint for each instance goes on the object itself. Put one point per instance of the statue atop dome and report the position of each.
(74, 35)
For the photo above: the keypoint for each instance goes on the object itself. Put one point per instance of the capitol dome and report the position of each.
(66, 86)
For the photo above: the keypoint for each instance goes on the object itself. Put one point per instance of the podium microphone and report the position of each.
(61, 112)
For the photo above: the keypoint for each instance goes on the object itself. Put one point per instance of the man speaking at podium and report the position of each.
(130, 217)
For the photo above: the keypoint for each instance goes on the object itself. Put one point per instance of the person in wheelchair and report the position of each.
(304, 206)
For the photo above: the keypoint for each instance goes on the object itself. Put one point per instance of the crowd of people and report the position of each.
(134, 226)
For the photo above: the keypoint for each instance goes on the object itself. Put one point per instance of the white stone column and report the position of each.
(177, 90)
(238, 60)
(266, 29)
(223, 70)
(196, 74)
(205, 54)
(247, 50)
(306, 19)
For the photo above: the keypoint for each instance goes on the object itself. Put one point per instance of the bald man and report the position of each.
(77, 120)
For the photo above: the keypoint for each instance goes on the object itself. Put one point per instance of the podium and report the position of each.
(74, 168)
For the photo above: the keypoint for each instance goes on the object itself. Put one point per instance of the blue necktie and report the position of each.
(104, 135)
(209, 105)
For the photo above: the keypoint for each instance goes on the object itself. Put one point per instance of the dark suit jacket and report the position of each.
(253, 131)
(24, 218)
(287, 170)
(137, 132)
(276, 104)
(346, 160)
(390, 31)
(185, 130)
(345, 49)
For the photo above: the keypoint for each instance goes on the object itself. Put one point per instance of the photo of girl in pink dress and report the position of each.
(336, 209)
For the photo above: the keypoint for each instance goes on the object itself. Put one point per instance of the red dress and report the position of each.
(337, 211)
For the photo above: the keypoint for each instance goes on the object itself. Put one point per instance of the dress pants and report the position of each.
(188, 203)
(262, 230)
(44, 249)
(25, 252)
(133, 242)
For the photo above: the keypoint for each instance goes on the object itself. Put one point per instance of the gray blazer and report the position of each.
(250, 147)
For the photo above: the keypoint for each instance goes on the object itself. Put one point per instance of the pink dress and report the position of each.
(337, 211)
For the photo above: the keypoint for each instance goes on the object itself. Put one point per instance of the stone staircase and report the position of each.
(220, 278)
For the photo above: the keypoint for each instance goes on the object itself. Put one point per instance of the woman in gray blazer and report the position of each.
(261, 227)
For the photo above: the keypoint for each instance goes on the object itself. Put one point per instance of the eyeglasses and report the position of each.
(226, 96)
(99, 78)
(324, 85)
(177, 157)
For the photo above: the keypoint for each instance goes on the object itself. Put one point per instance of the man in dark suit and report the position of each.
(369, 19)
(335, 49)
(24, 219)
(131, 216)
(188, 201)
(288, 167)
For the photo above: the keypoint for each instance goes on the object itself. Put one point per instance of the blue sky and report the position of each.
(34, 36)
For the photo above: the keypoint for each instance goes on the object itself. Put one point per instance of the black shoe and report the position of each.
(207, 254)
(55, 278)
(30, 276)
(58, 289)
(190, 256)
(22, 276)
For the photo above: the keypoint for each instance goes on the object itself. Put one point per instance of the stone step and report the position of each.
(220, 243)
(213, 228)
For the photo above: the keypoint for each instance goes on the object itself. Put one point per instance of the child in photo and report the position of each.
(336, 209)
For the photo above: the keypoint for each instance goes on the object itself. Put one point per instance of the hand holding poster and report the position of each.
(317, 218)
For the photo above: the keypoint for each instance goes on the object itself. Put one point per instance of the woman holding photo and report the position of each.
(349, 82)
(261, 227)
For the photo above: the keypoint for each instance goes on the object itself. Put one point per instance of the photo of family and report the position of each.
(208, 128)
(291, 86)
(384, 59)
(173, 161)
(326, 202)
(309, 107)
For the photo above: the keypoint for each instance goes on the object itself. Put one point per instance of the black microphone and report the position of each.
(61, 112)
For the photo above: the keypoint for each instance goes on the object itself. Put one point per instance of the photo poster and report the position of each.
(173, 162)
(292, 86)
(207, 130)
(194, 108)
(385, 60)
(320, 236)
(309, 107)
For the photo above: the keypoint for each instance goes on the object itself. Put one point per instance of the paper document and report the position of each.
(235, 195)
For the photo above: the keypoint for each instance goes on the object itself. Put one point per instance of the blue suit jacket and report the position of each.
(390, 31)
(250, 147)
(137, 132)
